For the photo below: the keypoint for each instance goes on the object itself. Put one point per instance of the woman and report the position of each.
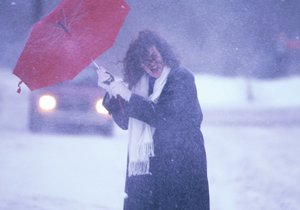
(166, 167)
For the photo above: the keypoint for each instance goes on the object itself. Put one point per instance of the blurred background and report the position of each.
(259, 39)
(245, 56)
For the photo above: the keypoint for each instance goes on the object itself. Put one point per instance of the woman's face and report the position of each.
(154, 63)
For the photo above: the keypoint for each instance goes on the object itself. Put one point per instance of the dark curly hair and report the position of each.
(138, 52)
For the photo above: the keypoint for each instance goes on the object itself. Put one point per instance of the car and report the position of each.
(73, 106)
(288, 53)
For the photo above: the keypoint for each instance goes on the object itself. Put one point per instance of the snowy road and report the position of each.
(252, 164)
(249, 168)
(254, 167)
(60, 172)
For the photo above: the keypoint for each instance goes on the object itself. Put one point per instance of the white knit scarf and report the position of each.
(140, 145)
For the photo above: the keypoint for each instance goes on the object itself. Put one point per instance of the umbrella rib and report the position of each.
(59, 23)
(63, 23)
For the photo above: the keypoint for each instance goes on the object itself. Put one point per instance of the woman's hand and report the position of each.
(118, 88)
(114, 88)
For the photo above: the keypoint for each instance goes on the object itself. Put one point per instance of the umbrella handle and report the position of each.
(111, 77)
(108, 81)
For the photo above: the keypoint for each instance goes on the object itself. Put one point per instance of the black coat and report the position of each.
(179, 172)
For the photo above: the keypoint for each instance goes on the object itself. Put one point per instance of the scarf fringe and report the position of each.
(141, 166)
(138, 168)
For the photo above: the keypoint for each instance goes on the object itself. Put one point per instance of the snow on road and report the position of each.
(61, 172)
(253, 152)
(254, 167)
(249, 168)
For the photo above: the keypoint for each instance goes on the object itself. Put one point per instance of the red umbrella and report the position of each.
(66, 41)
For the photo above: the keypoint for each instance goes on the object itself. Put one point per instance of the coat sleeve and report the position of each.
(116, 107)
(177, 103)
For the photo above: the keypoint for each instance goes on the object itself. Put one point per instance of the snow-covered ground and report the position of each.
(252, 164)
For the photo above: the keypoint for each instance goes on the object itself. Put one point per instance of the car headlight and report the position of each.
(100, 108)
(47, 102)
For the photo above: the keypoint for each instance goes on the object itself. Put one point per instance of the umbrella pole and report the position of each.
(96, 65)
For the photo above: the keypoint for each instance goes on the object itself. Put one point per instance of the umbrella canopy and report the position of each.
(63, 43)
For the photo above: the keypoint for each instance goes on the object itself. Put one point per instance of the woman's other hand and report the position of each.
(118, 88)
